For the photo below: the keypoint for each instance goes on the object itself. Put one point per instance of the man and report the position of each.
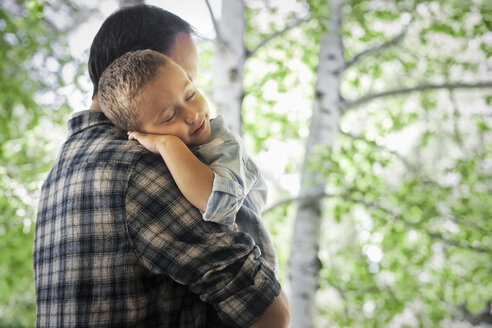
(116, 243)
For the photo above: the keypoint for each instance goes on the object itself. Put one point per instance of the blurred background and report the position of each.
(370, 119)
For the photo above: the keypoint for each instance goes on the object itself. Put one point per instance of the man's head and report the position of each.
(142, 27)
(147, 91)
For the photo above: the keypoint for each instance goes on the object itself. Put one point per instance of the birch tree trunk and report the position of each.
(304, 264)
(127, 3)
(230, 57)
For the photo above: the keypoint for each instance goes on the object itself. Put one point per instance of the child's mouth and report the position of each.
(199, 129)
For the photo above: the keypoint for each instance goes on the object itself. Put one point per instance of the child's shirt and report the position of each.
(239, 191)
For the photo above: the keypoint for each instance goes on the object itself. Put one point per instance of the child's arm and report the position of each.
(237, 179)
(194, 179)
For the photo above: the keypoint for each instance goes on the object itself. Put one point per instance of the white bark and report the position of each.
(127, 3)
(230, 57)
(304, 264)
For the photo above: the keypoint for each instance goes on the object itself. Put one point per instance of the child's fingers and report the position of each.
(132, 135)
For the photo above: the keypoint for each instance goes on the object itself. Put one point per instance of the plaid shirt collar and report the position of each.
(86, 119)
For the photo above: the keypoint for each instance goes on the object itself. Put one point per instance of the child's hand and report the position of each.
(152, 142)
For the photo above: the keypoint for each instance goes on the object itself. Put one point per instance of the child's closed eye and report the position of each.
(191, 96)
(170, 118)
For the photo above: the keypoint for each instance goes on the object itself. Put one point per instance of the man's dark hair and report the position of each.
(133, 28)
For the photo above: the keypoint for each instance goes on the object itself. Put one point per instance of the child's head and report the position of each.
(147, 91)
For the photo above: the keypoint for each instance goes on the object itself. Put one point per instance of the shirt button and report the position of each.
(239, 191)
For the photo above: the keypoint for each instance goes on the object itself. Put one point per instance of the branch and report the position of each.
(397, 39)
(483, 316)
(296, 199)
(390, 43)
(348, 104)
(455, 243)
(409, 166)
(435, 235)
(456, 119)
(374, 205)
(406, 162)
(425, 179)
(290, 26)
(214, 22)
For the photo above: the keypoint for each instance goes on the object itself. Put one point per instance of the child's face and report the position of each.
(172, 105)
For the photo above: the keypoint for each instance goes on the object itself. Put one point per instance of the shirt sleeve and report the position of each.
(220, 264)
(236, 176)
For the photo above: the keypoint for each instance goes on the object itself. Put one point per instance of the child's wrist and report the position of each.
(166, 143)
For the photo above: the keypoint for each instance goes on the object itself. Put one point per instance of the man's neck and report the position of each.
(95, 103)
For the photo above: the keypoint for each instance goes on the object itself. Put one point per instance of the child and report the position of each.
(148, 92)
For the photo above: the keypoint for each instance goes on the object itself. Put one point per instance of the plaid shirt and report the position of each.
(117, 245)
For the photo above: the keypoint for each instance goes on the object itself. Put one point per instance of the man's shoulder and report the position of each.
(105, 146)
(94, 145)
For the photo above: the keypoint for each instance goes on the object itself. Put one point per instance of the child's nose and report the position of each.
(191, 116)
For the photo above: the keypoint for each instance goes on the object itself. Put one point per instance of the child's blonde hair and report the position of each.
(122, 83)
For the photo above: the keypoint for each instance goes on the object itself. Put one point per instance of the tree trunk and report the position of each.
(230, 57)
(304, 264)
(127, 3)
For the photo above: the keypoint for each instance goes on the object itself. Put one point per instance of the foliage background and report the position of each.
(406, 232)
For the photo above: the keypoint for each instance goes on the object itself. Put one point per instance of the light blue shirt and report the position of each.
(239, 191)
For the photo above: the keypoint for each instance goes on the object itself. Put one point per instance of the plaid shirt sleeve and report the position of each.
(218, 263)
